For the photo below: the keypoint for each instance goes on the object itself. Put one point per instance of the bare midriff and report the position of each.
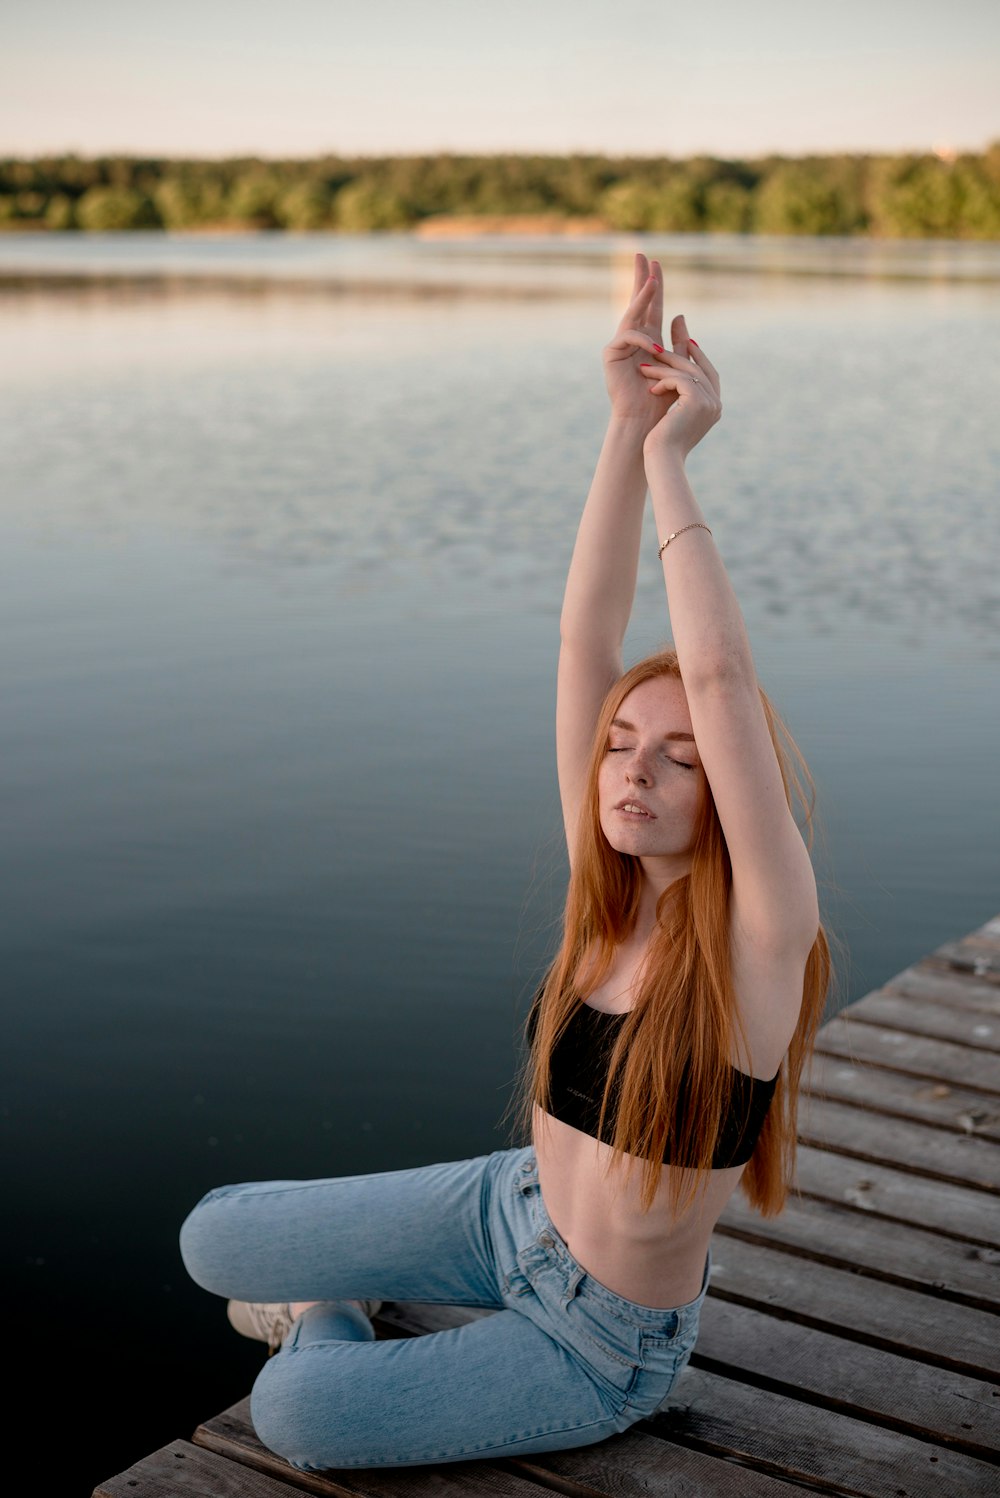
(652, 1258)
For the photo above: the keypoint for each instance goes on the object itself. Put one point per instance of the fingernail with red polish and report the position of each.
(691, 340)
(659, 348)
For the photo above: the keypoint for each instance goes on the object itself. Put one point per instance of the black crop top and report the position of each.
(579, 1071)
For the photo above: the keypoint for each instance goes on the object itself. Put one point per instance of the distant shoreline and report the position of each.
(438, 226)
(461, 226)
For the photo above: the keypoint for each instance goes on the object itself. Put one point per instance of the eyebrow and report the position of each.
(675, 733)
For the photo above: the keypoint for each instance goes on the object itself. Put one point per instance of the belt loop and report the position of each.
(572, 1284)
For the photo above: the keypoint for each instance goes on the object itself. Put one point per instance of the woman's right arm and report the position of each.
(600, 587)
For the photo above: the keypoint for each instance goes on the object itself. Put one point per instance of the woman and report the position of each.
(668, 1038)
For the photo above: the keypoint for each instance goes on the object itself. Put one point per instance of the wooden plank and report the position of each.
(879, 1091)
(937, 1060)
(807, 1443)
(920, 1016)
(231, 1435)
(918, 1147)
(842, 1374)
(977, 954)
(629, 1463)
(900, 1196)
(903, 1321)
(905, 1255)
(940, 983)
(638, 1463)
(182, 1469)
(415, 1318)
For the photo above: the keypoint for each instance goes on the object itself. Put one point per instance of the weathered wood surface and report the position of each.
(850, 1345)
(625, 1462)
(962, 1109)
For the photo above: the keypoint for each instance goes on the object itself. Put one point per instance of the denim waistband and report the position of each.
(678, 1321)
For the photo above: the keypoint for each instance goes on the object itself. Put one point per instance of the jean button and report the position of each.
(546, 1240)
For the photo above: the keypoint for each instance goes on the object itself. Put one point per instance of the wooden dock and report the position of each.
(850, 1346)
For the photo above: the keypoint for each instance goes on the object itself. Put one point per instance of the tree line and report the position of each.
(921, 195)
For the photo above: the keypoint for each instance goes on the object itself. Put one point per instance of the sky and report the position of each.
(211, 78)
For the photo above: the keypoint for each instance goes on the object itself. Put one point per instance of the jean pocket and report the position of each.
(591, 1323)
(663, 1360)
(663, 1335)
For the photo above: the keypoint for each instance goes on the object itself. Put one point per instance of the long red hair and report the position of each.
(677, 1039)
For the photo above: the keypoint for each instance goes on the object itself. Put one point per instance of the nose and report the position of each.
(638, 772)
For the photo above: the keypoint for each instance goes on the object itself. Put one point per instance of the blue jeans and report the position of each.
(563, 1361)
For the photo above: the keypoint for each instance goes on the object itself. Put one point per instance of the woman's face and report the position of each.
(651, 782)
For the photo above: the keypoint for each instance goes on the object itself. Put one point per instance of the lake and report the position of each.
(286, 521)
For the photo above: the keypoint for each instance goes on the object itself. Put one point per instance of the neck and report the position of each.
(658, 874)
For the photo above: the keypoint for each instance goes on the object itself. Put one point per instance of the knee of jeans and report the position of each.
(283, 1414)
(202, 1240)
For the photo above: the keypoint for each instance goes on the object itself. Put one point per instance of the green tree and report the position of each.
(838, 194)
(305, 206)
(915, 197)
(30, 205)
(980, 198)
(104, 209)
(60, 212)
(627, 205)
(364, 206)
(183, 202)
(728, 208)
(678, 205)
(253, 199)
(795, 197)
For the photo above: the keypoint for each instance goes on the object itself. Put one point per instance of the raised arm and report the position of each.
(600, 587)
(774, 904)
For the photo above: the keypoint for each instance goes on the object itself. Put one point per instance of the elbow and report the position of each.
(715, 673)
(583, 638)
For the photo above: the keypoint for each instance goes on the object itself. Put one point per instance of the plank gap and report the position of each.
(976, 1128)
(553, 1482)
(963, 1236)
(851, 1334)
(919, 1070)
(766, 1468)
(977, 1046)
(846, 1407)
(891, 1163)
(862, 1271)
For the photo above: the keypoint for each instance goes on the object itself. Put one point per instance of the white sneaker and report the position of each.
(270, 1322)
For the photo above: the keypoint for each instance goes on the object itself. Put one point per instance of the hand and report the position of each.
(638, 336)
(690, 382)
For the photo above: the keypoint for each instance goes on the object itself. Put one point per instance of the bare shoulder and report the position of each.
(768, 989)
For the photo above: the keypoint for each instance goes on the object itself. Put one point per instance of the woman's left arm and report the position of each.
(774, 887)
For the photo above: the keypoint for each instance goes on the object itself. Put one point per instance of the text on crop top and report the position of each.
(578, 1075)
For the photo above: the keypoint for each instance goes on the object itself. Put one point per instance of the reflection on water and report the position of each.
(852, 477)
(277, 635)
(497, 265)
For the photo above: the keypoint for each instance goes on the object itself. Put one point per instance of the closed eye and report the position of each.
(627, 748)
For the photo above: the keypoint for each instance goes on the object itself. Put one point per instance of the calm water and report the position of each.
(278, 631)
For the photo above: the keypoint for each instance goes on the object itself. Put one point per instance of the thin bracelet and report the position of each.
(666, 543)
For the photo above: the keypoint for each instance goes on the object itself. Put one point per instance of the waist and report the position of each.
(651, 1257)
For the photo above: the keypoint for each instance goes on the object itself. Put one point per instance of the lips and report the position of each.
(633, 808)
